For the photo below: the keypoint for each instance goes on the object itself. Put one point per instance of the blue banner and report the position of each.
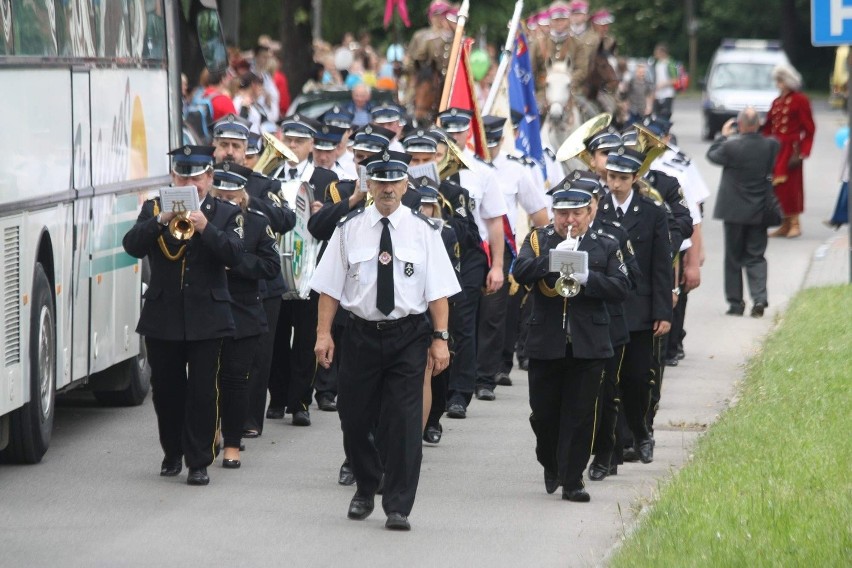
(522, 99)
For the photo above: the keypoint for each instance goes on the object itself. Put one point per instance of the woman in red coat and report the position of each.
(791, 122)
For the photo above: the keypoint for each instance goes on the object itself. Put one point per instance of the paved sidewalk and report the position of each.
(830, 263)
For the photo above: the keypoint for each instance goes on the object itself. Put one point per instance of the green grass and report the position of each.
(770, 483)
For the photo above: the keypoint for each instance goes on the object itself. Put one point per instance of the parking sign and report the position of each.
(831, 22)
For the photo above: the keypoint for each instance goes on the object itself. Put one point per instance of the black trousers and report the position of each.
(291, 378)
(237, 357)
(385, 386)
(463, 370)
(658, 369)
(513, 328)
(677, 332)
(745, 246)
(491, 330)
(259, 376)
(186, 402)
(563, 393)
(609, 401)
(636, 382)
(663, 107)
(325, 380)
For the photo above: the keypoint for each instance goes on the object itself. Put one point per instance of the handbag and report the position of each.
(795, 158)
(773, 216)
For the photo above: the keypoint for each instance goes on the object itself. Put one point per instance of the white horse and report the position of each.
(562, 114)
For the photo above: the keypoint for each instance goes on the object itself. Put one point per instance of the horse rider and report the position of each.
(427, 61)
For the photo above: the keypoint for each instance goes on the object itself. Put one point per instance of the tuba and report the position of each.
(575, 147)
(275, 153)
(452, 162)
(648, 143)
(567, 284)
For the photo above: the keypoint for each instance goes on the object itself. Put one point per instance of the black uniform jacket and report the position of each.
(188, 298)
(265, 195)
(458, 211)
(260, 262)
(586, 312)
(451, 243)
(680, 221)
(619, 333)
(647, 225)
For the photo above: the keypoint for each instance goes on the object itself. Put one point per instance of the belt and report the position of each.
(382, 325)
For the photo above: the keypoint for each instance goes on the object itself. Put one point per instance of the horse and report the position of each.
(562, 114)
(602, 81)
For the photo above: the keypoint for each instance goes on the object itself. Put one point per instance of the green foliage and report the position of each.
(766, 486)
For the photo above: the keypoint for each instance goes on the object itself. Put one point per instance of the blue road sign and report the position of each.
(831, 22)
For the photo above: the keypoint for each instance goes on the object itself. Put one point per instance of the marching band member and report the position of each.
(187, 312)
(260, 262)
(568, 339)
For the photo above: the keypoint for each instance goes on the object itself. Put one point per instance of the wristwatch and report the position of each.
(441, 334)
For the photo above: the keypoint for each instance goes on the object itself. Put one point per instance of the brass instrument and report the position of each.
(453, 161)
(648, 143)
(180, 227)
(275, 152)
(575, 147)
(567, 284)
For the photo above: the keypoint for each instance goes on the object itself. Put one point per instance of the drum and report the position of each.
(299, 249)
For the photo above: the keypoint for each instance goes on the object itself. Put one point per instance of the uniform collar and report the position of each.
(623, 206)
(395, 217)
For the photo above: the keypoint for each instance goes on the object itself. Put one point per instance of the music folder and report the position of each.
(569, 261)
(177, 199)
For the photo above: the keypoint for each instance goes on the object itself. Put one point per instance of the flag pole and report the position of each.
(454, 55)
(505, 59)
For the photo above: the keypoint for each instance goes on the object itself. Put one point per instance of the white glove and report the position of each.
(582, 278)
(567, 244)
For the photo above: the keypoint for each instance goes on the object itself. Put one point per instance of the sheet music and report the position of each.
(429, 170)
(176, 199)
(569, 261)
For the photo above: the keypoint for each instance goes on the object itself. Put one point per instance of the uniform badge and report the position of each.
(619, 256)
(187, 150)
(456, 250)
(636, 209)
(385, 258)
(239, 229)
(630, 248)
(269, 232)
(276, 201)
(409, 269)
(471, 205)
(606, 206)
(622, 268)
(368, 129)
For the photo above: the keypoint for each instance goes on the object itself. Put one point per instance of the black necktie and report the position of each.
(384, 290)
(292, 172)
(619, 213)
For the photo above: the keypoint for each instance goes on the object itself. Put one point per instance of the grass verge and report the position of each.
(770, 484)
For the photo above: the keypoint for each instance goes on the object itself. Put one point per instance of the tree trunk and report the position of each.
(296, 42)
(789, 29)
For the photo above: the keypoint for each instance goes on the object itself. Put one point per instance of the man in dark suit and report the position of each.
(747, 160)
(187, 312)
(568, 339)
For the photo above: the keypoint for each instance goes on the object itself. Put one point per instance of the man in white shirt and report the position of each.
(386, 265)
(326, 141)
(664, 91)
(389, 116)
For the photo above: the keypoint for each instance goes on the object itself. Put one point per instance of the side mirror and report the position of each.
(211, 40)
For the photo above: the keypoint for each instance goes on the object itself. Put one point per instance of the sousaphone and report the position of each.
(575, 147)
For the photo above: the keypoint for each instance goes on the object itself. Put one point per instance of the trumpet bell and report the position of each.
(181, 228)
(649, 144)
(275, 152)
(567, 286)
(574, 146)
(453, 161)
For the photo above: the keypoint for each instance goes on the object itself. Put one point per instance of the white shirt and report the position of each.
(396, 146)
(519, 188)
(661, 75)
(621, 206)
(481, 183)
(254, 116)
(304, 171)
(347, 164)
(422, 271)
(677, 170)
(341, 172)
(271, 97)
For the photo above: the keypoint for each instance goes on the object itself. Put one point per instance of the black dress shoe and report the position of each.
(456, 410)
(598, 471)
(523, 364)
(275, 413)
(630, 455)
(432, 434)
(231, 464)
(672, 362)
(197, 476)
(484, 393)
(360, 507)
(551, 482)
(346, 476)
(578, 495)
(503, 379)
(397, 522)
(326, 403)
(613, 469)
(171, 467)
(646, 451)
(735, 310)
(250, 434)
(757, 310)
(680, 353)
(301, 418)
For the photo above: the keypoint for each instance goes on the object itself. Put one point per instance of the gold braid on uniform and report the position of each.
(162, 242)
(544, 288)
(334, 192)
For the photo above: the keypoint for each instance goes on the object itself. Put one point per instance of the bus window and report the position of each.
(35, 27)
(210, 39)
(81, 23)
(7, 38)
(111, 29)
(148, 24)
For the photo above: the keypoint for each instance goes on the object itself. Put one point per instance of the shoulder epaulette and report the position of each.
(426, 219)
(551, 154)
(650, 200)
(603, 233)
(482, 160)
(352, 214)
(333, 192)
(608, 222)
(256, 212)
(231, 203)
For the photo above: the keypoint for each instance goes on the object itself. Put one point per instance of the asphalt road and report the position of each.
(97, 498)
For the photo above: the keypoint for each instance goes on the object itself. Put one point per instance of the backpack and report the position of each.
(680, 76)
(198, 113)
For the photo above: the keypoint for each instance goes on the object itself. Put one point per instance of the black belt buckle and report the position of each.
(386, 324)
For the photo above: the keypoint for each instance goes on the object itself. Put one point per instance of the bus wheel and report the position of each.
(134, 373)
(31, 425)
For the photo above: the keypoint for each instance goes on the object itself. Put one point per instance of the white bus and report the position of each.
(91, 96)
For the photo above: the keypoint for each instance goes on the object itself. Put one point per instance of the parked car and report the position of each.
(740, 75)
(313, 103)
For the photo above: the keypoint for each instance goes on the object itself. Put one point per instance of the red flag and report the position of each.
(462, 95)
(401, 7)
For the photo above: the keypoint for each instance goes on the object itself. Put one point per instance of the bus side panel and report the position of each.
(81, 269)
(12, 282)
(130, 142)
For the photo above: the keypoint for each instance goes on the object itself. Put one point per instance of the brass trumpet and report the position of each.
(567, 284)
(180, 227)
